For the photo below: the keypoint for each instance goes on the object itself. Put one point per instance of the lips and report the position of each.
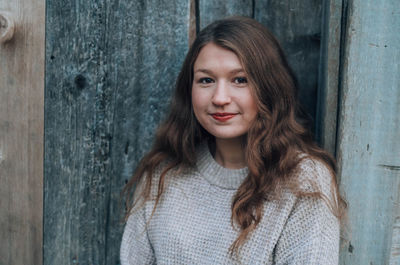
(223, 116)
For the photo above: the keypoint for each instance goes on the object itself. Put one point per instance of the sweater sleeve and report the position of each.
(311, 233)
(135, 245)
(136, 248)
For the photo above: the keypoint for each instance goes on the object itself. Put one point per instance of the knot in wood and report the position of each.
(6, 26)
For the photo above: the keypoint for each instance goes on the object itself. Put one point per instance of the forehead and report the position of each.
(213, 57)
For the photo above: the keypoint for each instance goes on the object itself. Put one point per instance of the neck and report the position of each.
(229, 153)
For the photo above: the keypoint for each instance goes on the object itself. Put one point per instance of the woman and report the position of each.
(233, 177)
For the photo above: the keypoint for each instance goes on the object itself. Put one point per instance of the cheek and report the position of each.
(253, 107)
(199, 100)
(197, 103)
(250, 106)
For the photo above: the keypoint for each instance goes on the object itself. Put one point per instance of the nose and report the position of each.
(221, 95)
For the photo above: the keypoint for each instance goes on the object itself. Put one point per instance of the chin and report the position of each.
(227, 134)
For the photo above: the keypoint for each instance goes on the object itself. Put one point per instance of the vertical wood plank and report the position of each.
(145, 61)
(328, 85)
(193, 20)
(110, 69)
(369, 131)
(21, 134)
(297, 25)
(210, 10)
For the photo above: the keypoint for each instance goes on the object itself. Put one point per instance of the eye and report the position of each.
(205, 80)
(240, 80)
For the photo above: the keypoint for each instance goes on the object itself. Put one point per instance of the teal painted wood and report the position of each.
(369, 132)
(210, 10)
(110, 69)
(297, 25)
(328, 85)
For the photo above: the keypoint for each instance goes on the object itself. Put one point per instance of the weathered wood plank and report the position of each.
(328, 85)
(111, 67)
(148, 60)
(369, 131)
(21, 134)
(210, 10)
(297, 25)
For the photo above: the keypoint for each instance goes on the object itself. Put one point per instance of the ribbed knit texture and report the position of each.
(192, 222)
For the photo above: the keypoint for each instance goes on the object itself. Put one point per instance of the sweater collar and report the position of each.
(216, 174)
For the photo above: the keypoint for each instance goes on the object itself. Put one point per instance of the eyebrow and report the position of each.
(234, 71)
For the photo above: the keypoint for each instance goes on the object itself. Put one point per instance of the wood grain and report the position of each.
(211, 10)
(297, 25)
(328, 81)
(21, 134)
(368, 148)
(110, 69)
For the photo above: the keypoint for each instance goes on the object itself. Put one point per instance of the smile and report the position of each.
(223, 116)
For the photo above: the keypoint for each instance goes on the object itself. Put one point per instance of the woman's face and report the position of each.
(221, 96)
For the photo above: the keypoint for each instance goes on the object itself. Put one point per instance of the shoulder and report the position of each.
(314, 175)
(167, 175)
(313, 185)
(311, 231)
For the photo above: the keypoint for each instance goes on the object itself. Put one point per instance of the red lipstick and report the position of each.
(223, 116)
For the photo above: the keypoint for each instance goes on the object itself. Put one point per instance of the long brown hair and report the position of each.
(274, 139)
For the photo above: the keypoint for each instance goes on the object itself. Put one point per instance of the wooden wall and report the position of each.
(71, 138)
(21, 132)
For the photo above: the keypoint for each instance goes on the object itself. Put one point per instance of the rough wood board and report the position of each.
(210, 10)
(369, 131)
(21, 135)
(297, 25)
(328, 85)
(110, 69)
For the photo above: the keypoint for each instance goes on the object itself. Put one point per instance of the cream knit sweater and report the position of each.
(192, 222)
